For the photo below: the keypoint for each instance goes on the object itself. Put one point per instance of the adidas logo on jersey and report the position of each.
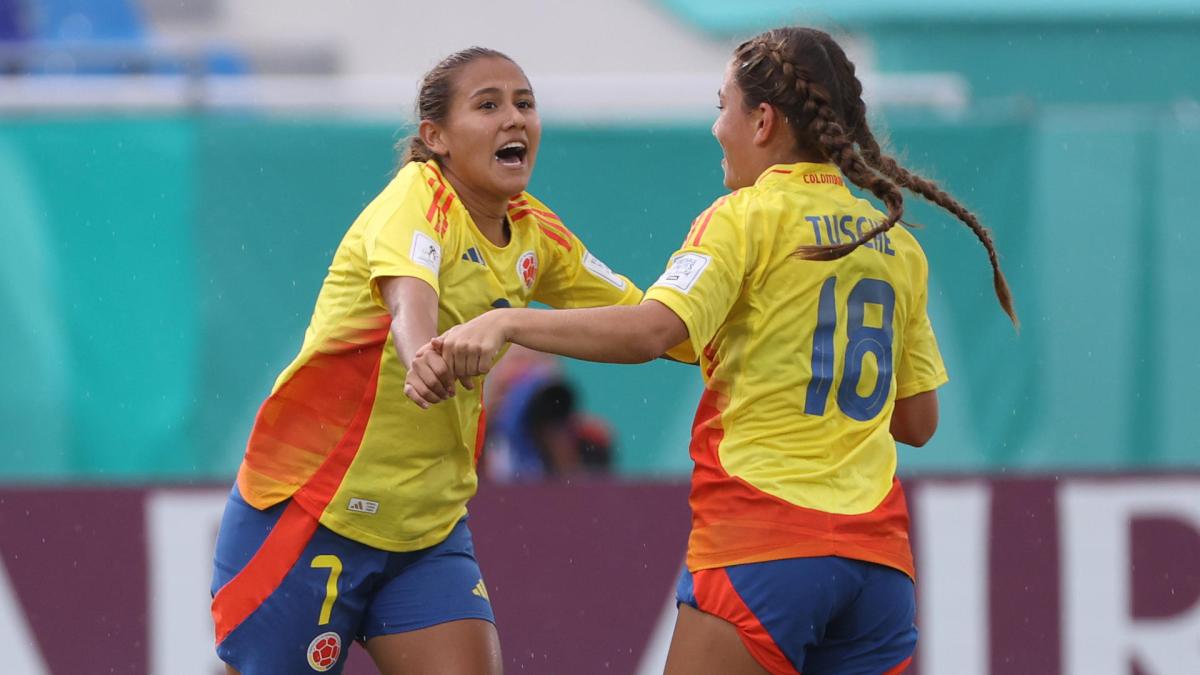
(363, 505)
(480, 590)
(472, 255)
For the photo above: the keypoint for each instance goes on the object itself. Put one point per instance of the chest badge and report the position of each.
(527, 268)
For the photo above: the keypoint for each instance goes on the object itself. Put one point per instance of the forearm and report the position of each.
(607, 334)
(413, 305)
(411, 330)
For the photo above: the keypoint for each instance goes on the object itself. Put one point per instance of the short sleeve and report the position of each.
(406, 233)
(577, 278)
(920, 367)
(704, 277)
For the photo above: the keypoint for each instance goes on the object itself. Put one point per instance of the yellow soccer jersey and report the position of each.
(337, 433)
(802, 363)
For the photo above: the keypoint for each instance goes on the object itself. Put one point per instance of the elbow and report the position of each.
(916, 435)
(917, 439)
(646, 347)
(915, 419)
(645, 343)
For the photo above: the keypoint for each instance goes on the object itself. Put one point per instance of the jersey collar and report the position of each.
(808, 174)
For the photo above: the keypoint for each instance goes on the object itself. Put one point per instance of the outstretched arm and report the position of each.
(627, 334)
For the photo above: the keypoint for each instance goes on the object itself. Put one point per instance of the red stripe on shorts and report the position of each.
(900, 668)
(247, 591)
(715, 595)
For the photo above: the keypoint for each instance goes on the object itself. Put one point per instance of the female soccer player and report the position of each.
(807, 312)
(348, 520)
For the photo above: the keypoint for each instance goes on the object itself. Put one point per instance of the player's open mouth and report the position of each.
(512, 155)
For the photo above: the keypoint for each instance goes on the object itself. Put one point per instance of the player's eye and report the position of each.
(525, 104)
(487, 105)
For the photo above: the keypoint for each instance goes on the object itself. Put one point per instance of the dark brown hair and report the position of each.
(805, 74)
(434, 96)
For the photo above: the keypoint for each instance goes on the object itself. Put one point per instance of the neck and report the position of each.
(772, 156)
(791, 156)
(488, 212)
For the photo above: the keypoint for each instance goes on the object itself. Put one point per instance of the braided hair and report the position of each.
(806, 75)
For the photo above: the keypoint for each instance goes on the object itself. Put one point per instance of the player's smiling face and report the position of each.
(492, 133)
(734, 130)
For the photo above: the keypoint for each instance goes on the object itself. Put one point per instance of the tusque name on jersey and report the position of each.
(843, 229)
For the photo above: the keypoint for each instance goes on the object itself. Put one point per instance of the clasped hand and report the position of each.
(461, 354)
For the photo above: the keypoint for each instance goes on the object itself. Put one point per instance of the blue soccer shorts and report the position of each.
(813, 615)
(290, 594)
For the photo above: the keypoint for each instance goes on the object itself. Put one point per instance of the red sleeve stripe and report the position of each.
(522, 202)
(565, 243)
(437, 173)
(781, 170)
(433, 205)
(557, 226)
(707, 217)
(544, 222)
(444, 207)
(692, 229)
(549, 214)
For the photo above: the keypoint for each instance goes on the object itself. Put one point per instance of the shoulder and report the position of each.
(528, 212)
(908, 246)
(413, 185)
(727, 215)
(414, 176)
(910, 254)
(419, 196)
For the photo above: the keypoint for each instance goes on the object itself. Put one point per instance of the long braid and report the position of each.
(888, 166)
(936, 195)
(795, 90)
(834, 143)
(806, 74)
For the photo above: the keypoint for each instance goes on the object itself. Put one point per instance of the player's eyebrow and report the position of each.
(492, 91)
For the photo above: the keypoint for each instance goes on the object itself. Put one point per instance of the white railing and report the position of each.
(612, 97)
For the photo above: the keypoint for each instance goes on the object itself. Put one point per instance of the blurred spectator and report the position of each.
(98, 37)
(534, 428)
(84, 20)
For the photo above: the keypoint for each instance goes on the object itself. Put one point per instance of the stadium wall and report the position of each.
(157, 273)
(1082, 574)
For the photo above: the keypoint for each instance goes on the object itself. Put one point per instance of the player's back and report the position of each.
(802, 360)
(814, 344)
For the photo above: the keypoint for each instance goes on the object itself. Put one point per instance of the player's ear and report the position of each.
(766, 122)
(433, 138)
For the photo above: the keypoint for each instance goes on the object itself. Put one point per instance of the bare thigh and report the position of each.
(703, 644)
(464, 647)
